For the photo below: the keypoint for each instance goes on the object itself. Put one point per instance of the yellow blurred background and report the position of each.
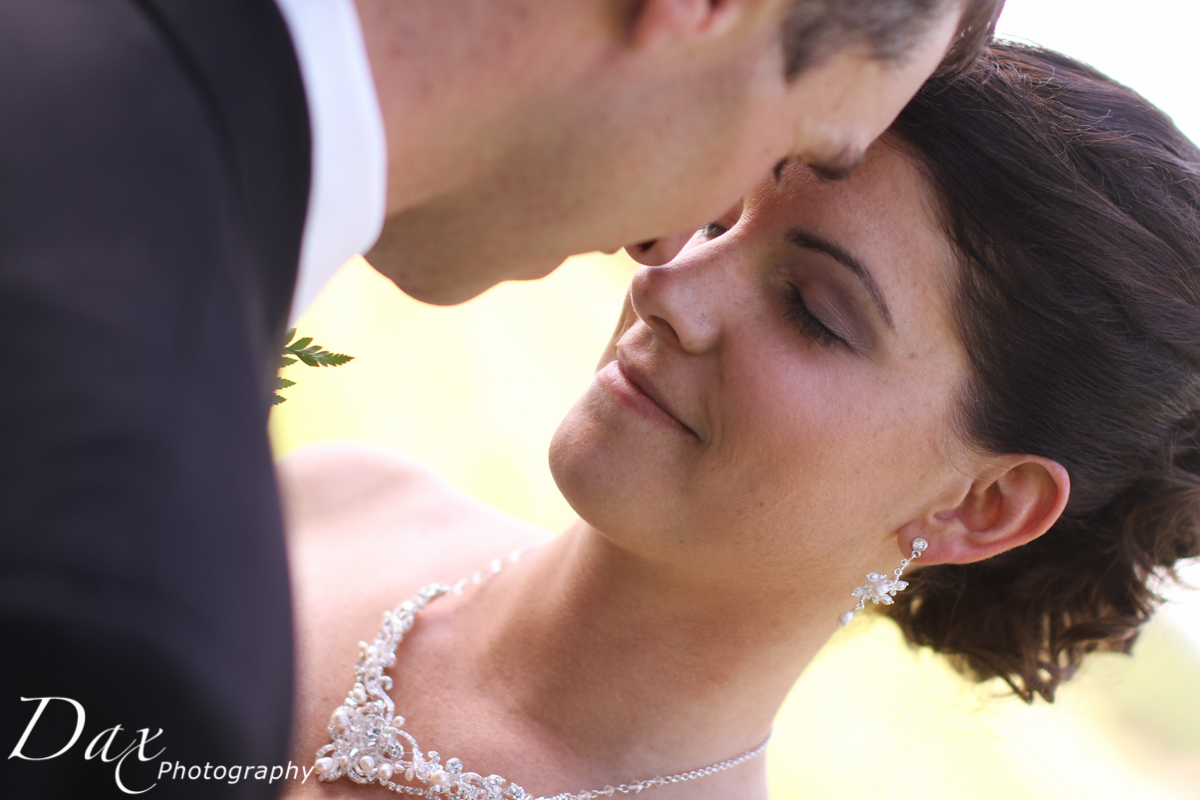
(475, 393)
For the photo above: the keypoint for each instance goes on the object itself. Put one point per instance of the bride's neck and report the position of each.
(629, 660)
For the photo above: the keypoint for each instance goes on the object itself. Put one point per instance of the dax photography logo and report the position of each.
(104, 745)
(114, 745)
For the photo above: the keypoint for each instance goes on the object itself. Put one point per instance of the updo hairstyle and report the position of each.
(1074, 205)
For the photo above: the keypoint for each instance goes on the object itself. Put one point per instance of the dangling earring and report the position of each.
(878, 589)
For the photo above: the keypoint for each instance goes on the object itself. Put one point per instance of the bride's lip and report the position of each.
(635, 391)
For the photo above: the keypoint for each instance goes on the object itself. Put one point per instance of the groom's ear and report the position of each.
(663, 22)
(1013, 503)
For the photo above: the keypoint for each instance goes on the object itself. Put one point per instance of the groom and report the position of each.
(164, 167)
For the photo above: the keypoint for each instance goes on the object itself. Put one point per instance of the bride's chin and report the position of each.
(578, 465)
(600, 481)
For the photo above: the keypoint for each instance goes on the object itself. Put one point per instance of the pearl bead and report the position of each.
(359, 694)
(845, 619)
(879, 589)
(341, 720)
(324, 765)
(385, 770)
(439, 778)
(366, 764)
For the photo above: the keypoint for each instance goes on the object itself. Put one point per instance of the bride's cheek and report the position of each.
(625, 321)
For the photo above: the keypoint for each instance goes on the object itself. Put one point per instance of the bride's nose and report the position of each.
(681, 303)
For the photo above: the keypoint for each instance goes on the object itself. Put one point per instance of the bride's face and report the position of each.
(785, 393)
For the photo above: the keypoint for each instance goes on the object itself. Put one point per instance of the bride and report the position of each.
(960, 386)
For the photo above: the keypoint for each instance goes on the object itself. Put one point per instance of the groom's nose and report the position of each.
(656, 252)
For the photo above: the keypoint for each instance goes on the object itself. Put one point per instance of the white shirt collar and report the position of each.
(347, 199)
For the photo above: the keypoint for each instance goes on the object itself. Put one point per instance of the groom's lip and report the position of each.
(645, 390)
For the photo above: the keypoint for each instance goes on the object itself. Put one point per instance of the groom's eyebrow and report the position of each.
(839, 166)
(811, 241)
(834, 168)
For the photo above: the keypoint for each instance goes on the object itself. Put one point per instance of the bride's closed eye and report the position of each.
(796, 310)
(811, 325)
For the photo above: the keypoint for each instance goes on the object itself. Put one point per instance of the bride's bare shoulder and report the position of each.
(367, 527)
(366, 501)
(323, 483)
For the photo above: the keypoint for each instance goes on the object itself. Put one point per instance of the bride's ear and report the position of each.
(1016, 500)
(658, 22)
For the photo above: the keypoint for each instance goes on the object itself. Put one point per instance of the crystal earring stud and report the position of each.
(880, 588)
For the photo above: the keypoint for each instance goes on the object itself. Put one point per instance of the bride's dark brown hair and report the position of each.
(1074, 205)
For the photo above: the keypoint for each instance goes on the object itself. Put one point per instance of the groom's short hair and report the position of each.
(814, 29)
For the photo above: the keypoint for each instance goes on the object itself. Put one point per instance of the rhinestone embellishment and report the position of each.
(368, 743)
(880, 588)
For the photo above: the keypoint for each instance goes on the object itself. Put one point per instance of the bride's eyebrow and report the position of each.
(810, 241)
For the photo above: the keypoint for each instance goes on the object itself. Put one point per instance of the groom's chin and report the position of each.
(428, 287)
(536, 270)
(450, 285)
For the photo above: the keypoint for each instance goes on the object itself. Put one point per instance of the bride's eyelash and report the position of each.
(811, 326)
(797, 310)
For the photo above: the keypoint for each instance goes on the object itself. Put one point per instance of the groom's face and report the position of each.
(638, 149)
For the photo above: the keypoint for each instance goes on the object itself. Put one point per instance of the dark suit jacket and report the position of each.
(154, 173)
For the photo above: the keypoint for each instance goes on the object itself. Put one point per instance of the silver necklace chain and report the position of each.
(368, 743)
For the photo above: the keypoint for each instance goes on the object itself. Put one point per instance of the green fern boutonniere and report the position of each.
(310, 354)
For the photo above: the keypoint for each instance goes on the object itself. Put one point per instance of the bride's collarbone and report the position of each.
(364, 551)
